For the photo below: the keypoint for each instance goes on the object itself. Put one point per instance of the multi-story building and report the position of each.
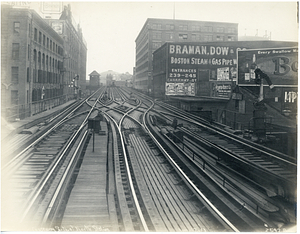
(37, 72)
(31, 55)
(156, 32)
(75, 52)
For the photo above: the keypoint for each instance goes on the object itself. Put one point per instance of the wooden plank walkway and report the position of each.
(88, 202)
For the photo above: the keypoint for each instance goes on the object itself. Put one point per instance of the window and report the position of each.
(169, 26)
(231, 30)
(14, 97)
(28, 77)
(28, 55)
(220, 29)
(50, 44)
(40, 37)
(196, 37)
(156, 26)
(207, 29)
(195, 28)
(35, 34)
(183, 27)
(39, 59)
(17, 27)
(15, 51)
(231, 38)
(208, 38)
(156, 45)
(183, 36)
(156, 35)
(47, 43)
(15, 75)
(220, 38)
(44, 40)
(169, 36)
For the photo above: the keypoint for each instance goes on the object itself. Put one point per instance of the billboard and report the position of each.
(221, 89)
(180, 88)
(280, 64)
(58, 27)
(185, 62)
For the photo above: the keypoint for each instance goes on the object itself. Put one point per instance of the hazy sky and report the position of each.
(110, 28)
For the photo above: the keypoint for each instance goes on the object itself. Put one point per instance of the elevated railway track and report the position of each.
(158, 177)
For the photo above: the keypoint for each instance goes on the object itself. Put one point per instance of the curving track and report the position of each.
(196, 177)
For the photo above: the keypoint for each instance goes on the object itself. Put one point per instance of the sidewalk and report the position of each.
(10, 128)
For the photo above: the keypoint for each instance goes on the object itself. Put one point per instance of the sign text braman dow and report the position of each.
(206, 50)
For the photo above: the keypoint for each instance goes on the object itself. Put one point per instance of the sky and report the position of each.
(111, 28)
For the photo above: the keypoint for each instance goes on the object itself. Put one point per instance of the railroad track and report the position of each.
(180, 221)
(31, 178)
(279, 206)
(156, 179)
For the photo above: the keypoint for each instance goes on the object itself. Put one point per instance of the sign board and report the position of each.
(221, 89)
(58, 27)
(280, 64)
(289, 100)
(52, 7)
(185, 62)
(180, 88)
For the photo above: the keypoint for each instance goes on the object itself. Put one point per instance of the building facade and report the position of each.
(156, 32)
(217, 81)
(33, 64)
(75, 52)
(31, 54)
(210, 69)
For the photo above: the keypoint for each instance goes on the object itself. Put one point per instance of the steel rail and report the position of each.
(63, 178)
(232, 138)
(145, 226)
(217, 212)
(244, 142)
(45, 180)
(40, 138)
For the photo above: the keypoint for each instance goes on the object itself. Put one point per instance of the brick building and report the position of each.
(34, 74)
(156, 32)
(75, 52)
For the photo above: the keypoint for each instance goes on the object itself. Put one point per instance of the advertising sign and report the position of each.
(187, 89)
(290, 100)
(280, 64)
(186, 60)
(221, 89)
(58, 27)
(52, 7)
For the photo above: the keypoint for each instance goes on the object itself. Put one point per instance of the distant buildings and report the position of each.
(156, 32)
(43, 62)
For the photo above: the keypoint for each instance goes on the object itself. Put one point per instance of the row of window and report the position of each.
(44, 60)
(45, 41)
(194, 37)
(37, 95)
(184, 27)
(39, 76)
